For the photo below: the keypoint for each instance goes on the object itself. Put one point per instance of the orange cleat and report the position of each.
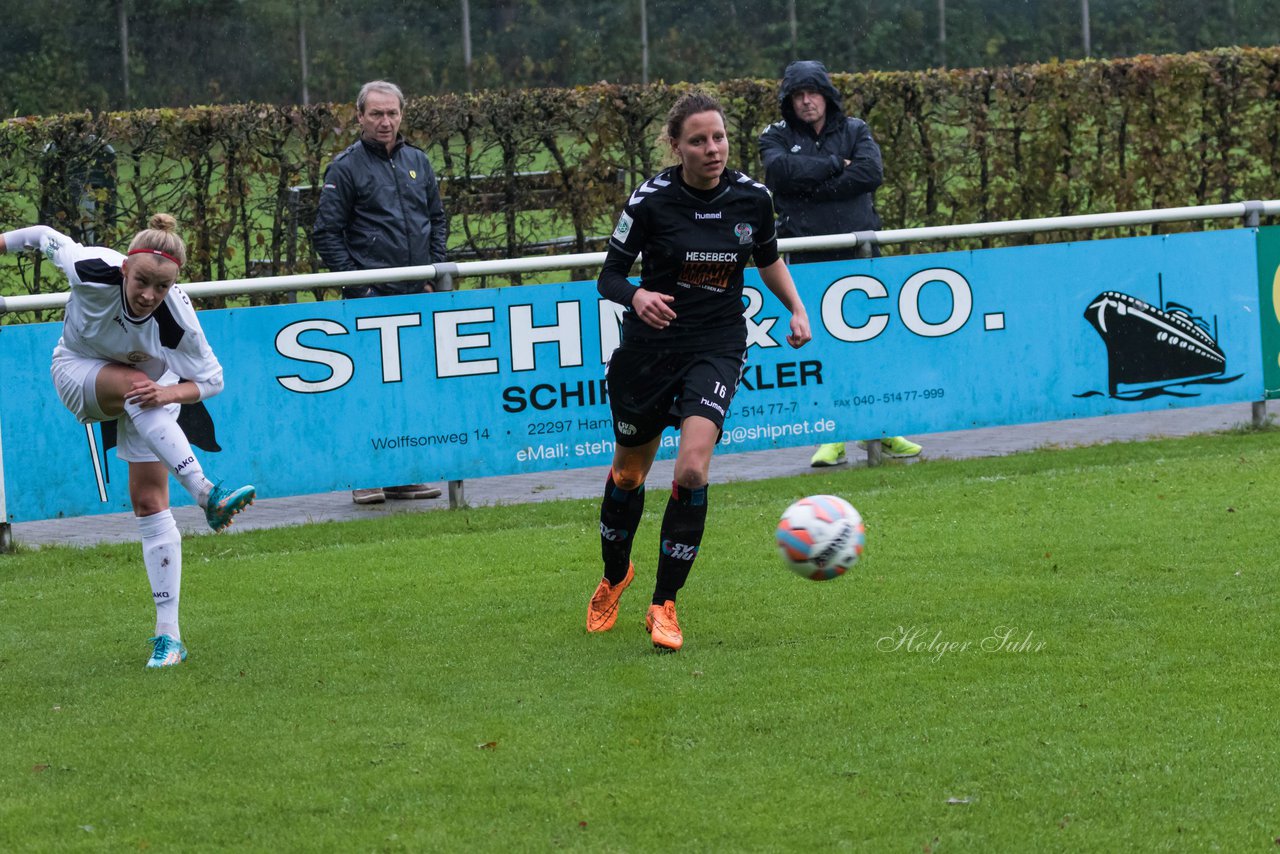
(663, 627)
(602, 611)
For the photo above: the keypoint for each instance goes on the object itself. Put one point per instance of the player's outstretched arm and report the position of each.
(25, 238)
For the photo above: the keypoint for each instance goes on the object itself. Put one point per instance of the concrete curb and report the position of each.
(588, 482)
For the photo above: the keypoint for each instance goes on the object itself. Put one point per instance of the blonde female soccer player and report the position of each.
(132, 351)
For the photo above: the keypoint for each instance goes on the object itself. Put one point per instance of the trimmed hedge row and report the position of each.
(959, 146)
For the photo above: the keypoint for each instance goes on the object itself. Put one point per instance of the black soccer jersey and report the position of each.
(695, 245)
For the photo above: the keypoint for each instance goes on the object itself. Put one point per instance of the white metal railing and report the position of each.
(1249, 211)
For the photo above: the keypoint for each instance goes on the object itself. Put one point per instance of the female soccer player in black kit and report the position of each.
(683, 348)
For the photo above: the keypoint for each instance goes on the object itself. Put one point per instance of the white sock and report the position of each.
(162, 555)
(160, 430)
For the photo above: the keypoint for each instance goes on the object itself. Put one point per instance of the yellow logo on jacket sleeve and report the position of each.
(413, 173)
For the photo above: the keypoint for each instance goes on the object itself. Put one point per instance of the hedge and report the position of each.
(959, 146)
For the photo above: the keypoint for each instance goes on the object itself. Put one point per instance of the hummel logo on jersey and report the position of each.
(715, 215)
(795, 148)
(679, 551)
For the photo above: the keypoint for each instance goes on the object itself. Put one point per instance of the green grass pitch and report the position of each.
(1066, 650)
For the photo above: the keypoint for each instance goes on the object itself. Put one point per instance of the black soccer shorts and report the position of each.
(651, 390)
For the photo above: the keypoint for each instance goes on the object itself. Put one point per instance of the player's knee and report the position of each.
(629, 476)
(148, 503)
(691, 474)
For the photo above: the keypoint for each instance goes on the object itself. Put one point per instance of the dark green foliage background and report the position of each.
(974, 145)
(65, 55)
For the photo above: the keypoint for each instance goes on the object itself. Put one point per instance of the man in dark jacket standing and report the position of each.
(823, 168)
(380, 207)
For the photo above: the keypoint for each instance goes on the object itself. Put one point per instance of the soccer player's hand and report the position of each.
(800, 334)
(653, 308)
(148, 395)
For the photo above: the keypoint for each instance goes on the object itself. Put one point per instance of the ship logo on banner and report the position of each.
(1155, 350)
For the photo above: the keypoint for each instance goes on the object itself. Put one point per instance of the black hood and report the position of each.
(809, 74)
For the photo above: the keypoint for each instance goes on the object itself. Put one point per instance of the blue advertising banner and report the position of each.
(332, 395)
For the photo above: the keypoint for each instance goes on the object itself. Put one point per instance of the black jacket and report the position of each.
(814, 192)
(378, 210)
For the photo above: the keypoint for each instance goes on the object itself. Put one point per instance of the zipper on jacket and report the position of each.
(404, 219)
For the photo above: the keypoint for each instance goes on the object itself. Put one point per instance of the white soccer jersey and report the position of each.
(98, 323)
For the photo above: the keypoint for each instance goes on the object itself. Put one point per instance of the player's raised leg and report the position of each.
(157, 426)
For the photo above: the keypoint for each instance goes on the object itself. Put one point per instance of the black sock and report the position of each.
(682, 527)
(620, 513)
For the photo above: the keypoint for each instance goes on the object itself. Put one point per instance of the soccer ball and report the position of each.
(821, 536)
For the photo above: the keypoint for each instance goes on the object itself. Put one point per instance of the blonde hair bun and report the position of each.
(162, 222)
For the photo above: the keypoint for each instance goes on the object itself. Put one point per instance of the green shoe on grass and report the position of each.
(895, 446)
(828, 455)
(899, 446)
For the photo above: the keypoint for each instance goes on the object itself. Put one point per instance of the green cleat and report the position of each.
(828, 455)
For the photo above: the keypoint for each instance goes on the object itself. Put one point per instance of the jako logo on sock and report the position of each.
(679, 551)
(180, 466)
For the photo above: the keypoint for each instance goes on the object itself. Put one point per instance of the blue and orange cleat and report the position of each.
(166, 651)
(222, 504)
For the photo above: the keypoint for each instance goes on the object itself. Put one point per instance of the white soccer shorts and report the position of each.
(75, 378)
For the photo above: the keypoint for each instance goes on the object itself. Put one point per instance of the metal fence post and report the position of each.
(445, 272)
(444, 282)
(1253, 210)
(6, 530)
(865, 247)
(1252, 214)
(874, 456)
